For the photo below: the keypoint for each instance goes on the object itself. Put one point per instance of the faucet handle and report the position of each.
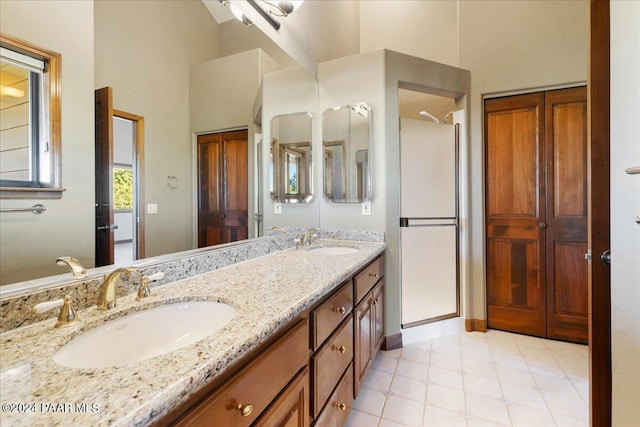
(144, 290)
(67, 316)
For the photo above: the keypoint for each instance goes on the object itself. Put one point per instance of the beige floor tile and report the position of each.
(517, 376)
(446, 377)
(483, 386)
(545, 367)
(566, 406)
(439, 417)
(441, 346)
(415, 354)
(522, 416)
(445, 397)
(361, 419)
(409, 388)
(525, 396)
(418, 371)
(370, 401)
(446, 361)
(570, 422)
(378, 380)
(557, 385)
(387, 423)
(487, 408)
(479, 422)
(481, 369)
(403, 411)
(385, 364)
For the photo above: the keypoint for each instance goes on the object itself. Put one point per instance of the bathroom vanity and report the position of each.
(307, 325)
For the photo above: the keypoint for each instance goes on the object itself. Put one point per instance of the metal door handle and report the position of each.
(638, 219)
(606, 257)
(108, 227)
(542, 225)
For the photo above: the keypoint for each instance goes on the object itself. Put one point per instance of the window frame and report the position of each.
(52, 86)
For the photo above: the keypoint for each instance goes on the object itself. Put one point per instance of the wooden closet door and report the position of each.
(515, 209)
(223, 192)
(566, 214)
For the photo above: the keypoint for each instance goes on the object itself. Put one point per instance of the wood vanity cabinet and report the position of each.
(369, 319)
(268, 378)
(308, 374)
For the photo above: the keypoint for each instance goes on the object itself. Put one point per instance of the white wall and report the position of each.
(285, 92)
(513, 46)
(30, 244)
(427, 29)
(625, 206)
(143, 50)
(222, 93)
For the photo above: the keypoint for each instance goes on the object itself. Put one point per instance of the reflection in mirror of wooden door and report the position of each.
(222, 187)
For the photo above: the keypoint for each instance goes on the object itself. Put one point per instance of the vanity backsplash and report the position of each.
(16, 310)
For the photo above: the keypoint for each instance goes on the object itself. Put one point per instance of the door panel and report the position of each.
(104, 236)
(516, 297)
(566, 217)
(223, 188)
(536, 166)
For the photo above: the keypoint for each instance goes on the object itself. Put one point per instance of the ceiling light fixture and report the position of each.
(283, 8)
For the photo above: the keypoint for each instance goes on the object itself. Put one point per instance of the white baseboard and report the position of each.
(432, 330)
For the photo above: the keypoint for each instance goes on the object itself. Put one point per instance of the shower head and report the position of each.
(426, 115)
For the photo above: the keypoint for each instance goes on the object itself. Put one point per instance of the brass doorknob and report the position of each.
(245, 410)
(342, 406)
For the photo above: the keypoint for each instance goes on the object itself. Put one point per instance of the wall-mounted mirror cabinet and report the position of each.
(346, 151)
(290, 168)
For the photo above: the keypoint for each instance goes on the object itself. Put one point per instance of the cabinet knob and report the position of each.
(340, 310)
(373, 275)
(341, 349)
(245, 410)
(342, 406)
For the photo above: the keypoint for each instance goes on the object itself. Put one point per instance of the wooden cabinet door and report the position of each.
(222, 188)
(377, 319)
(566, 214)
(291, 409)
(516, 299)
(362, 340)
(536, 205)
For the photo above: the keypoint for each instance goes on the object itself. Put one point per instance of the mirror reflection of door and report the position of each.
(222, 187)
(119, 196)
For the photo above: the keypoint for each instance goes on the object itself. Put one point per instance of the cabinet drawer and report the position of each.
(330, 362)
(368, 277)
(339, 404)
(254, 387)
(328, 316)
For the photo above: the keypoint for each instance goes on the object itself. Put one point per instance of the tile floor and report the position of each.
(476, 379)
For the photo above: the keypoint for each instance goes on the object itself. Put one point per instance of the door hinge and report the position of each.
(587, 256)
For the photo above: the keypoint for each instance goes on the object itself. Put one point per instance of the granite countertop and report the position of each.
(266, 292)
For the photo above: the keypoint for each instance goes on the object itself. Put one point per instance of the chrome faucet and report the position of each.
(107, 292)
(76, 268)
(307, 238)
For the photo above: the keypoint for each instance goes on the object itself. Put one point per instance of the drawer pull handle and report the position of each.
(340, 310)
(342, 349)
(245, 410)
(373, 275)
(342, 406)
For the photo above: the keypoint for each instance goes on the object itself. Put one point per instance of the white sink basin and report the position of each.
(145, 334)
(332, 250)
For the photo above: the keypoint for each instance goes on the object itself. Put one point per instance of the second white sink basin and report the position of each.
(332, 250)
(145, 334)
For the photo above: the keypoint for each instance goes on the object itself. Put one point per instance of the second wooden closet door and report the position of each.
(536, 207)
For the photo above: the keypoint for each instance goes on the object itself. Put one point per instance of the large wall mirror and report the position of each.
(290, 168)
(346, 152)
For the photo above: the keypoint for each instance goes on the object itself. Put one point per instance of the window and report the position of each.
(29, 120)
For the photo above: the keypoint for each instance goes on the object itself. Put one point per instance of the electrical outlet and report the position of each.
(152, 208)
(277, 208)
(366, 208)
